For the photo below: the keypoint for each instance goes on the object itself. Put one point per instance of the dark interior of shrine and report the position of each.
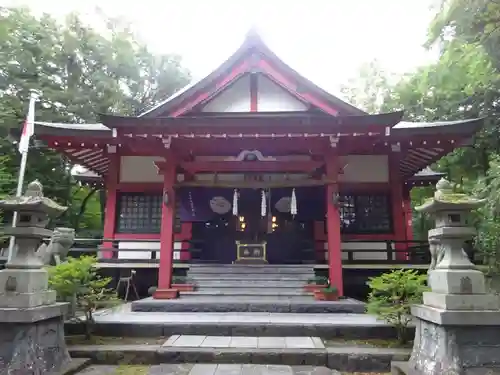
(287, 237)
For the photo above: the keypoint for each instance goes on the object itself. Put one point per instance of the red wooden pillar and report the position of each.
(398, 215)
(408, 212)
(333, 226)
(112, 180)
(164, 290)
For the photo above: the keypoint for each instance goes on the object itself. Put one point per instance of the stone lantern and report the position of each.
(455, 282)
(458, 324)
(31, 321)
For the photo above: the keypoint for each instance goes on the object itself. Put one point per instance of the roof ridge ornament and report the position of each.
(253, 34)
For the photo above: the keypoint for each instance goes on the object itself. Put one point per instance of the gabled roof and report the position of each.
(253, 56)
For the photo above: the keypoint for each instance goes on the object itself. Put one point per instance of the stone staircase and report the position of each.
(247, 280)
(241, 288)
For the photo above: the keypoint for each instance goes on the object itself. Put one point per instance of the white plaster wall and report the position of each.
(236, 98)
(145, 246)
(364, 168)
(139, 169)
(272, 98)
(362, 255)
(366, 255)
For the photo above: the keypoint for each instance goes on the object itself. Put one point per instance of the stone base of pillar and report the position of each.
(453, 343)
(166, 294)
(32, 340)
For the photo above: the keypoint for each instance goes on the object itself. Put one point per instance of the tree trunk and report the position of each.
(83, 206)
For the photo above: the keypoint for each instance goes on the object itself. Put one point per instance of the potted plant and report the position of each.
(330, 293)
(182, 284)
(316, 283)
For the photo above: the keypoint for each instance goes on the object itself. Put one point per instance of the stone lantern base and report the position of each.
(455, 342)
(32, 340)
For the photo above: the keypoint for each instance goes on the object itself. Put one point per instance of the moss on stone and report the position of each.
(370, 343)
(112, 340)
(457, 198)
(132, 370)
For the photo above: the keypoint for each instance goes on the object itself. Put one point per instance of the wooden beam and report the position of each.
(251, 166)
(254, 93)
(257, 184)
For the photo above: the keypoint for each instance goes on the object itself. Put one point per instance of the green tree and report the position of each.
(78, 73)
(391, 296)
(471, 21)
(371, 87)
(77, 281)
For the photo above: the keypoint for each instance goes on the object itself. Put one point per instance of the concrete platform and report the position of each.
(272, 304)
(212, 369)
(121, 321)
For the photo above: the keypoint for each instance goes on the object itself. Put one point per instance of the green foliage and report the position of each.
(391, 296)
(473, 21)
(488, 217)
(77, 280)
(6, 179)
(79, 72)
(330, 289)
(181, 280)
(318, 280)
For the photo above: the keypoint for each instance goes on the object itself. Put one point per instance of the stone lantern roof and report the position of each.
(33, 200)
(446, 199)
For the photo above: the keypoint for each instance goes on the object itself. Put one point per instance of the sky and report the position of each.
(325, 40)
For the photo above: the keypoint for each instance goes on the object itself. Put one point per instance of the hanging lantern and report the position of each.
(235, 203)
(263, 205)
(293, 203)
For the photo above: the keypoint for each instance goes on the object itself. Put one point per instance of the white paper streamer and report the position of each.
(293, 203)
(235, 203)
(263, 204)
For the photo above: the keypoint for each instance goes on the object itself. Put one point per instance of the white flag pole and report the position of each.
(28, 130)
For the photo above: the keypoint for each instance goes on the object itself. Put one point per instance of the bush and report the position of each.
(78, 282)
(318, 280)
(181, 280)
(392, 295)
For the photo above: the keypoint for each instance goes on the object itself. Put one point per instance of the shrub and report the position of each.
(318, 280)
(392, 295)
(330, 289)
(77, 281)
(181, 280)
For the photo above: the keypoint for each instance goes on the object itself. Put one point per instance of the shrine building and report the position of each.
(261, 166)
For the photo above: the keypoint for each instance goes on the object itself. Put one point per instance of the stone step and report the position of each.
(250, 269)
(261, 342)
(251, 265)
(348, 358)
(251, 275)
(200, 303)
(250, 283)
(211, 369)
(246, 292)
(249, 278)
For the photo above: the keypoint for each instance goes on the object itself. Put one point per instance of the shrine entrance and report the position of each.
(259, 233)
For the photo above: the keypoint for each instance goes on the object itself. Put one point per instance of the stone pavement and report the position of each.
(207, 369)
(123, 314)
(244, 342)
